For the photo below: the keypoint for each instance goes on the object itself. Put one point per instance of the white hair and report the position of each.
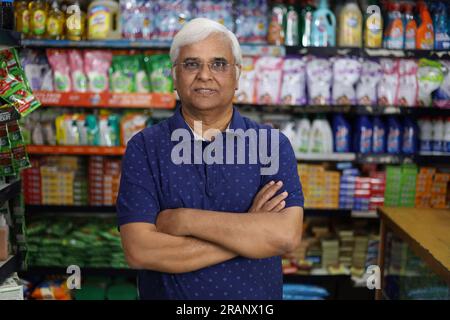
(199, 29)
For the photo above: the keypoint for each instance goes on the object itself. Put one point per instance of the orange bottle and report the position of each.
(425, 32)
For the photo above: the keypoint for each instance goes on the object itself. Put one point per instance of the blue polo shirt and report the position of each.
(151, 182)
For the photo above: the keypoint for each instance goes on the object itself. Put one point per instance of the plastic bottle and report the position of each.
(341, 133)
(438, 135)
(441, 27)
(289, 132)
(277, 23)
(394, 35)
(426, 134)
(410, 136)
(321, 136)
(103, 20)
(410, 27)
(447, 135)
(363, 137)
(4, 237)
(292, 32)
(373, 32)
(302, 134)
(22, 17)
(394, 136)
(55, 22)
(379, 136)
(306, 22)
(350, 26)
(323, 31)
(38, 18)
(75, 22)
(425, 30)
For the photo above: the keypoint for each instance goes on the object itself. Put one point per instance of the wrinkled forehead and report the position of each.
(215, 46)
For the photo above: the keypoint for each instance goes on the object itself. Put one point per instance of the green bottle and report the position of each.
(306, 22)
(292, 33)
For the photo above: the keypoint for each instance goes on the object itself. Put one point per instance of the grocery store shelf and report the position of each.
(432, 158)
(383, 158)
(9, 191)
(85, 271)
(104, 44)
(325, 156)
(76, 150)
(8, 267)
(365, 214)
(9, 39)
(106, 99)
(69, 210)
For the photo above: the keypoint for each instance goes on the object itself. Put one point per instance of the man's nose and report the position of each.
(204, 73)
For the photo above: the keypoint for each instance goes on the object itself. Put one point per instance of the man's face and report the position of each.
(206, 87)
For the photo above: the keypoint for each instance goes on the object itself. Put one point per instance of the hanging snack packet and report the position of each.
(79, 80)
(268, 79)
(387, 87)
(319, 76)
(407, 86)
(366, 89)
(96, 67)
(247, 80)
(123, 74)
(430, 77)
(61, 69)
(158, 68)
(6, 164)
(346, 73)
(293, 88)
(11, 57)
(20, 157)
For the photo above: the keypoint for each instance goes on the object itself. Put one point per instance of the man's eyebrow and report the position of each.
(219, 59)
(191, 59)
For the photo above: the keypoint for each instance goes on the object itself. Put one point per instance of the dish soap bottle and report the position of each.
(22, 17)
(323, 32)
(38, 18)
(306, 22)
(425, 31)
(395, 31)
(373, 32)
(55, 22)
(292, 33)
(350, 26)
(75, 22)
(277, 24)
(410, 27)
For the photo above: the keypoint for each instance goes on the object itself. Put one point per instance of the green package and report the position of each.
(124, 70)
(6, 162)
(158, 68)
(12, 60)
(20, 157)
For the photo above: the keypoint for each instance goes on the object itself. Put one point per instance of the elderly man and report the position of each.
(202, 230)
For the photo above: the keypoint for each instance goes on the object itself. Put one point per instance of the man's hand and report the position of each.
(169, 222)
(265, 201)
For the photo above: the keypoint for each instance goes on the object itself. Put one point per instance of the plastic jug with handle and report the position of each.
(323, 31)
(103, 20)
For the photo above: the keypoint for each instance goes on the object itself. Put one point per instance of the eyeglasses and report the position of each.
(217, 67)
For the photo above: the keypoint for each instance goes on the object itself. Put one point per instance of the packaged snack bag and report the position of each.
(268, 79)
(366, 89)
(96, 67)
(6, 164)
(79, 80)
(59, 62)
(293, 89)
(319, 77)
(430, 77)
(346, 73)
(247, 81)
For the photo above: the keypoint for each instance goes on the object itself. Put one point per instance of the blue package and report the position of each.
(394, 135)
(363, 137)
(410, 136)
(305, 290)
(351, 173)
(342, 134)
(344, 165)
(379, 136)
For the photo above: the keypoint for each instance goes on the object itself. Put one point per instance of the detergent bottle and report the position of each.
(22, 17)
(103, 20)
(410, 136)
(75, 22)
(425, 31)
(277, 24)
(55, 22)
(394, 33)
(379, 136)
(302, 134)
(38, 18)
(373, 32)
(306, 22)
(321, 136)
(323, 33)
(342, 134)
(394, 136)
(363, 137)
(292, 32)
(426, 134)
(410, 27)
(350, 25)
(441, 27)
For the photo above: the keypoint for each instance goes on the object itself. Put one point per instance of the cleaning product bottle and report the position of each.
(410, 136)
(75, 22)
(302, 134)
(55, 22)
(321, 137)
(410, 27)
(306, 22)
(4, 237)
(379, 136)
(373, 32)
(103, 20)
(292, 32)
(22, 17)
(447, 135)
(323, 31)
(277, 23)
(441, 27)
(394, 34)
(342, 134)
(38, 18)
(394, 136)
(350, 25)
(289, 132)
(363, 137)
(425, 30)
(426, 134)
(438, 135)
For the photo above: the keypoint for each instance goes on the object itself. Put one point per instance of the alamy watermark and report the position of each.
(373, 280)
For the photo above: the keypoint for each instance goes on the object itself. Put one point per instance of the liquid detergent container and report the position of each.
(394, 136)
(373, 31)
(441, 27)
(410, 27)
(22, 17)
(303, 134)
(323, 32)
(350, 26)
(321, 137)
(38, 18)
(438, 135)
(425, 31)
(426, 134)
(379, 136)
(75, 22)
(289, 132)
(342, 134)
(363, 137)
(447, 135)
(394, 33)
(410, 136)
(306, 22)
(292, 32)
(277, 24)
(103, 20)
(55, 22)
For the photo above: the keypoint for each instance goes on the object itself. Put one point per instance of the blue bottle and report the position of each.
(379, 136)
(363, 137)
(394, 136)
(323, 29)
(441, 26)
(410, 136)
(342, 134)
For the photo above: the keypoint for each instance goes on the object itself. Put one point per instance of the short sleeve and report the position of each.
(137, 200)
(288, 173)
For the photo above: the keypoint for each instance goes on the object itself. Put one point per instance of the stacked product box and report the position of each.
(111, 181)
(347, 188)
(32, 183)
(377, 188)
(408, 185)
(423, 186)
(104, 179)
(393, 186)
(96, 181)
(362, 193)
(346, 247)
(359, 255)
(439, 191)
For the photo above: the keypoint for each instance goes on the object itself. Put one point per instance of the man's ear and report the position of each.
(174, 77)
(238, 75)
